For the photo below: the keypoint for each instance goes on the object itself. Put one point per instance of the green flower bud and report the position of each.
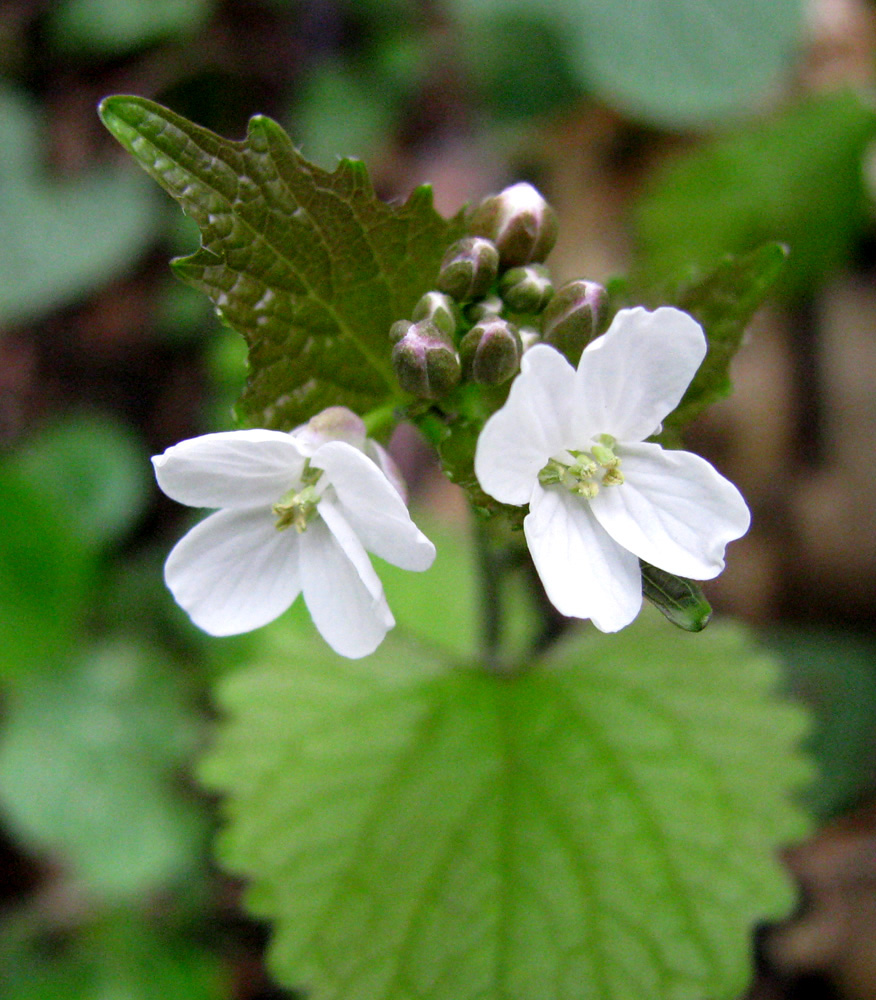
(399, 329)
(441, 309)
(489, 306)
(528, 337)
(527, 289)
(520, 222)
(469, 268)
(490, 351)
(573, 317)
(426, 361)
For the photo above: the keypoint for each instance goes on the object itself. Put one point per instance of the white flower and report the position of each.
(298, 512)
(572, 445)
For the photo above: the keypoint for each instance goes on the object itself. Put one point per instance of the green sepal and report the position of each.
(678, 599)
(309, 266)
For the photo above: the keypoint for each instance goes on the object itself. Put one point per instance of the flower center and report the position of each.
(298, 507)
(588, 471)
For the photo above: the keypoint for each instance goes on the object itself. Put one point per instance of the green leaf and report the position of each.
(87, 762)
(61, 238)
(92, 468)
(796, 178)
(528, 75)
(678, 599)
(115, 27)
(723, 302)
(605, 826)
(674, 63)
(45, 581)
(119, 958)
(309, 266)
(367, 118)
(834, 672)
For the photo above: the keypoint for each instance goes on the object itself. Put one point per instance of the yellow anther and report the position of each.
(296, 509)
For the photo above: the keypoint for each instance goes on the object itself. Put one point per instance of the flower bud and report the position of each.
(520, 222)
(399, 329)
(483, 308)
(469, 268)
(490, 351)
(426, 361)
(527, 289)
(573, 316)
(529, 337)
(439, 308)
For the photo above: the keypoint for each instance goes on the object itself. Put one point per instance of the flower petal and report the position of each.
(234, 571)
(372, 507)
(673, 510)
(585, 573)
(533, 425)
(343, 593)
(230, 469)
(632, 376)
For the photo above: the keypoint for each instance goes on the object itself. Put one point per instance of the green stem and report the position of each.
(491, 569)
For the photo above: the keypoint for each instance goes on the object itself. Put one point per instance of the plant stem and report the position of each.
(491, 568)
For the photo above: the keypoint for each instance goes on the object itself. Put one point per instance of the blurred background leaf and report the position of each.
(115, 27)
(94, 470)
(45, 259)
(88, 766)
(46, 576)
(677, 66)
(796, 178)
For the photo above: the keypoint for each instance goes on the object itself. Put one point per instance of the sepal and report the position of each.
(679, 600)
(520, 223)
(490, 352)
(573, 317)
(526, 289)
(426, 361)
(469, 268)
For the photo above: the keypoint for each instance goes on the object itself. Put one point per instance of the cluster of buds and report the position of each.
(494, 299)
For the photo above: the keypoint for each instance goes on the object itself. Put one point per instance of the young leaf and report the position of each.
(309, 266)
(724, 302)
(604, 827)
(676, 598)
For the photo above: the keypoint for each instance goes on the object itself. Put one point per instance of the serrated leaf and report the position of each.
(310, 267)
(678, 599)
(723, 302)
(604, 826)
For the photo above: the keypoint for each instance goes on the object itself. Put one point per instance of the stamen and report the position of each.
(296, 509)
(582, 476)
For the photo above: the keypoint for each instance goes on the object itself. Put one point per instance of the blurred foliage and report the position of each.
(44, 259)
(114, 27)
(677, 65)
(121, 957)
(118, 726)
(835, 674)
(104, 686)
(796, 177)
